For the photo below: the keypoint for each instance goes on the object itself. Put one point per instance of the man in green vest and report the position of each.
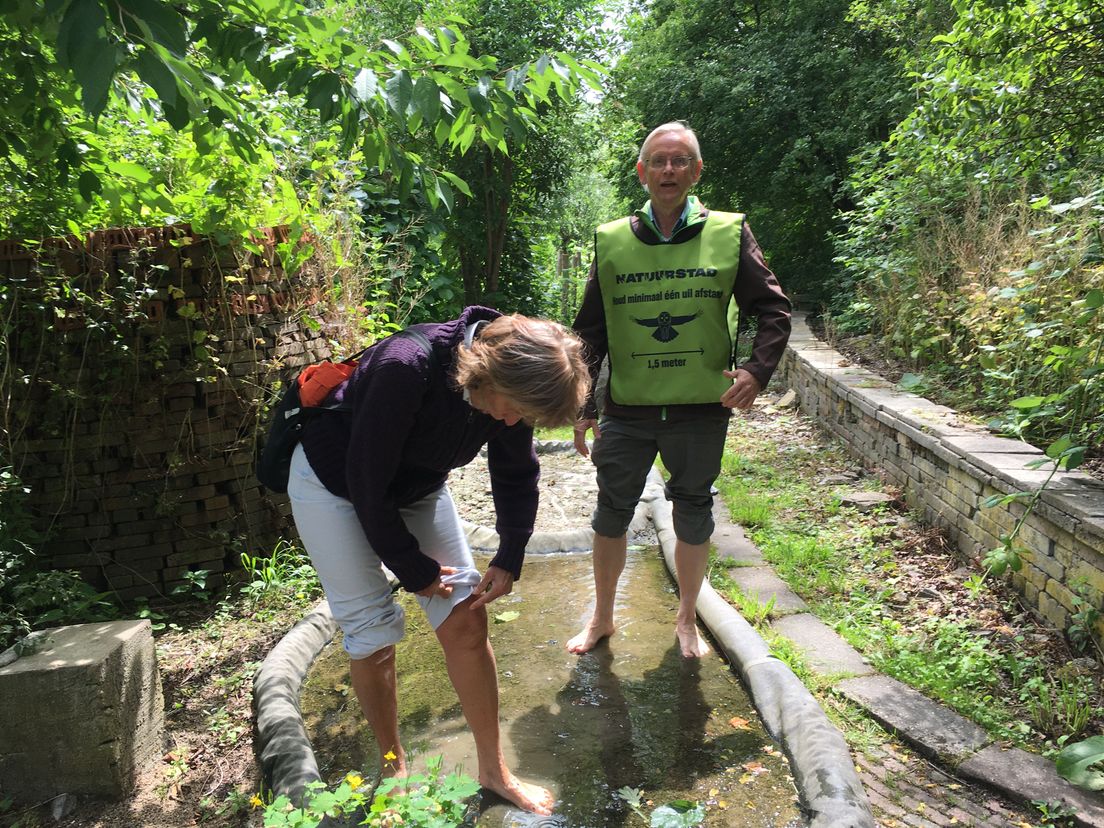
(658, 304)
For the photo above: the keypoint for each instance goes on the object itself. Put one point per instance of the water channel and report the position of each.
(633, 713)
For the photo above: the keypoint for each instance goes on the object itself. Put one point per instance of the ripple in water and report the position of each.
(523, 819)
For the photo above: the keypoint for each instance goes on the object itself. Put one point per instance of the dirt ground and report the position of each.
(567, 492)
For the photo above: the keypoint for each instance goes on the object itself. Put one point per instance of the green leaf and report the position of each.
(163, 22)
(913, 383)
(457, 182)
(157, 75)
(1072, 458)
(441, 132)
(366, 86)
(320, 95)
(427, 98)
(477, 96)
(1059, 446)
(83, 25)
(95, 69)
(396, 48)
(1027, 402)
(679, 814)
(89, 184)
(1076, 763)
(1094, 299)
(127, 169)
(400, 89)
(507, 617)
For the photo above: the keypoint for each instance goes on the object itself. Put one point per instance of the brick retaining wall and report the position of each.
(135, 427)
(947, 468)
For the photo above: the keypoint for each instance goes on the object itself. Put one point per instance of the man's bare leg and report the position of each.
(691, 562)
(608, 562)
(471, 667)
(374, 684)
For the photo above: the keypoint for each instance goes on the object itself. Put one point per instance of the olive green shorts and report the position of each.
(691, 452)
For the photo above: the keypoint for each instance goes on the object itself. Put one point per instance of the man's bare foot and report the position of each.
(690, 641)
(592, 633)
(525, 795)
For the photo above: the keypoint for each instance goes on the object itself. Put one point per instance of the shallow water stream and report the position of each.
(633, 713)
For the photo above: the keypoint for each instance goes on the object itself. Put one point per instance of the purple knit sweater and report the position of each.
(408, 428)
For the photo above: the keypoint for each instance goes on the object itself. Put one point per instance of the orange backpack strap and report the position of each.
(318, 380)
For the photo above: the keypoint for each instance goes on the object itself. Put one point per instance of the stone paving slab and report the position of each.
(1027, 777)
(730, 541)
(934, 730)
(761, 583)
(825, 651)
(989, 444)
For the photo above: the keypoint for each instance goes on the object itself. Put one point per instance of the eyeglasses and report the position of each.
(679, 162)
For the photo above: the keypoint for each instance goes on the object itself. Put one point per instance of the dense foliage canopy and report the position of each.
(119, 111)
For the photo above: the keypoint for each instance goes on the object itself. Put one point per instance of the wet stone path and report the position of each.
(631, 714)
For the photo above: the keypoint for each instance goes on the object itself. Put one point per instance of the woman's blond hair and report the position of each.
(537, 363)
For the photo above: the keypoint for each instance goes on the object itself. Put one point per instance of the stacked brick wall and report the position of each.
(948, 468)
(140, 363)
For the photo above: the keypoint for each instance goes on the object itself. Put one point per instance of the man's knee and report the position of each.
(692, 526)
(610, 523)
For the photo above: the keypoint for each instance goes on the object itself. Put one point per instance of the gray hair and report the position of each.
(672, 126)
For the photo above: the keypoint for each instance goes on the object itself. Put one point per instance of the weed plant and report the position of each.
(895, 592)
(423, 800)
(995, 309)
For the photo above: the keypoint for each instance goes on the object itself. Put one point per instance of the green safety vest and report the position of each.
(668, 321)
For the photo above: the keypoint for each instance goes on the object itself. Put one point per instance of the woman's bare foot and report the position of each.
(592, 633)
(690, 641)
(393, 763)
(393, 770)
(525, 795)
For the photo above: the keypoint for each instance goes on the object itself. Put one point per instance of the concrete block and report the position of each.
(935, 730)
(824, 649)
(82, 714)
(760, 583)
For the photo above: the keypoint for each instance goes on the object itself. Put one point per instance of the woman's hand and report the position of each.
(438, 589)
(581, 428)
(494, 584)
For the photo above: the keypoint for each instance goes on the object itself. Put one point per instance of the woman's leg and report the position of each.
(360, 599)
(462, 632)
(374, 683)
(471, 667)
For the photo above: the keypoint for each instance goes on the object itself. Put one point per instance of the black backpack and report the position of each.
(274, 464)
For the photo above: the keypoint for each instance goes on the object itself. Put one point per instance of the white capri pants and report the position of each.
(352, 575)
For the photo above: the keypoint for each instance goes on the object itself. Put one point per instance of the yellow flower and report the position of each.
(390, 756)
(355, 780)
(256, 801)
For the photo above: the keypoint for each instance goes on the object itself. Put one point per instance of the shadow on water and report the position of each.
(633, 713)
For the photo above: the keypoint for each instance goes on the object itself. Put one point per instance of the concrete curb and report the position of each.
(819, 757)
